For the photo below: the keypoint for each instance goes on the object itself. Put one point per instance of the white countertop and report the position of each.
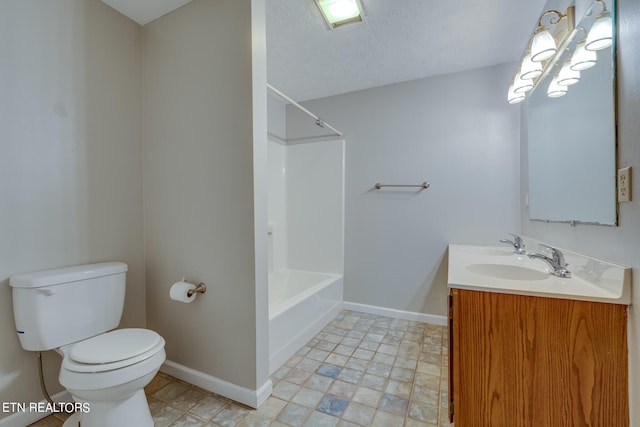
(499, 269)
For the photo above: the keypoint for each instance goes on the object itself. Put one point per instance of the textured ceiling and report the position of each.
(399, 40)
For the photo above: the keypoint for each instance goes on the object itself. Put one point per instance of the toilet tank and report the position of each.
(56, 307)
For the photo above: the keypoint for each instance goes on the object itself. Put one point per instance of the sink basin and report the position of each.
(511, 272)
(498, 269)
(490, 251)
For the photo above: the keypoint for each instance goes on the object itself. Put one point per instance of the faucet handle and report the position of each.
(517, 240)
(558, 257)
(516, 243)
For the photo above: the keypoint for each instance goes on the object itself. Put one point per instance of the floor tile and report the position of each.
(374, 382)
(49, 421)
(387, 419)
(350, 376)
(379, 369)
(208, 407)
(319, 382)
(308, 397)
(285, 390)
(424, 413)
(294, 415)
(230, 416)
(309, 364)
(367, 396)
(342, 389)
(395, 404)
(337, 359)
(188, 421)
(360, 370)
(319, 419)
(297, 376)
(359, 413)
(163, 415)
(332, 405)
(328, 370)
(255, 420)
(272, 407)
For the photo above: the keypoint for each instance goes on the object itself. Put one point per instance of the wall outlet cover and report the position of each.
(624, 184)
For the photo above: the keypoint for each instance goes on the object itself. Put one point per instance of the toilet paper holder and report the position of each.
(201, 289)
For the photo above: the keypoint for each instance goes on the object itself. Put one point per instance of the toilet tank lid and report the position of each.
(74, 273)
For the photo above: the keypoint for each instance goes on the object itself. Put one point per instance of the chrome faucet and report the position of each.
(517, 244)
(556, 262)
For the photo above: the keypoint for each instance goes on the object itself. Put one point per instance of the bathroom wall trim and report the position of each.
(396, 314)
(21, 419)
(252, 398)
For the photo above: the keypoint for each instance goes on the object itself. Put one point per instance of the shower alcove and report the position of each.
(306, 229)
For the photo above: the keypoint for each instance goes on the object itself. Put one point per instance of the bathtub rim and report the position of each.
(279, 308)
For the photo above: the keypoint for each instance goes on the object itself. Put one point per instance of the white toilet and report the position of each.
(71, 310)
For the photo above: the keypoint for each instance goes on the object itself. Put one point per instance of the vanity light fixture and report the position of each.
(530, 69)
(582, 58)
(555, 90)
(521, 85)
(567, 75)
(600, 34)
(544, 50)
(543, 45)
(338, 13)
(513, 97)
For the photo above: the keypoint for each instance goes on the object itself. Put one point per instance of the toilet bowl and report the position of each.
(74, 311)
(109, 373)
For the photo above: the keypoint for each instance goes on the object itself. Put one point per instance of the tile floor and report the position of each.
(360, 370)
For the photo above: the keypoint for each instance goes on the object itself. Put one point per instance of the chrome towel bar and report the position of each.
(423, 186)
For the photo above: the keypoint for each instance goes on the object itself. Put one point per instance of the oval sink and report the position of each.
(509, 272)
(488, 251)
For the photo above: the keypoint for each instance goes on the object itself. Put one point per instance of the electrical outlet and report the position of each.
(624, 184)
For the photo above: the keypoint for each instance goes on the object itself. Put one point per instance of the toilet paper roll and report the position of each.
(179, 290)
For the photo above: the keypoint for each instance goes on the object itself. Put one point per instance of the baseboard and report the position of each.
(252, 398)
(281, 356)
(396, 314)
(21, 419)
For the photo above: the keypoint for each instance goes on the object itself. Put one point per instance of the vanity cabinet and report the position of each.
(532, 361)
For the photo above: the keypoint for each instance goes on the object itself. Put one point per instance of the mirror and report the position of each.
(572, 139)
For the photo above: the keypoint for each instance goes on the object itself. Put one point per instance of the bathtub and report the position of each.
(301, 303)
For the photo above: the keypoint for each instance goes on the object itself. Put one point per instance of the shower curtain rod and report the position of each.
(318, 120)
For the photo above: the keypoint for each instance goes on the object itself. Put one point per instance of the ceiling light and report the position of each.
(340, 12)
(600, 34)
(555, 90)
(567, 76)
(582, 58)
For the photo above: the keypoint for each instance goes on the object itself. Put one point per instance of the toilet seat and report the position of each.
(112, 350)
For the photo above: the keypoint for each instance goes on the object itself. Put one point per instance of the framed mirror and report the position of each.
(571, 136)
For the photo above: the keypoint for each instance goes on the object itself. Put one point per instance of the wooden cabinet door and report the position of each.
(529, 361)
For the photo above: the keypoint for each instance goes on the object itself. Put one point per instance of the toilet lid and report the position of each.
(115, 346)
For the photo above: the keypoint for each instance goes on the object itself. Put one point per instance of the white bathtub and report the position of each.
(301, 303)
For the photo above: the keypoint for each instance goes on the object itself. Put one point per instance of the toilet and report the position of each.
(75, 310)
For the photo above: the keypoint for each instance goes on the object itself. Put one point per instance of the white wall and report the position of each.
(71, 162)
(277, 203)
(205, 132)
(454, 131)
(617, 244)
(315, 206)
(276, 117)
(277, 193)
